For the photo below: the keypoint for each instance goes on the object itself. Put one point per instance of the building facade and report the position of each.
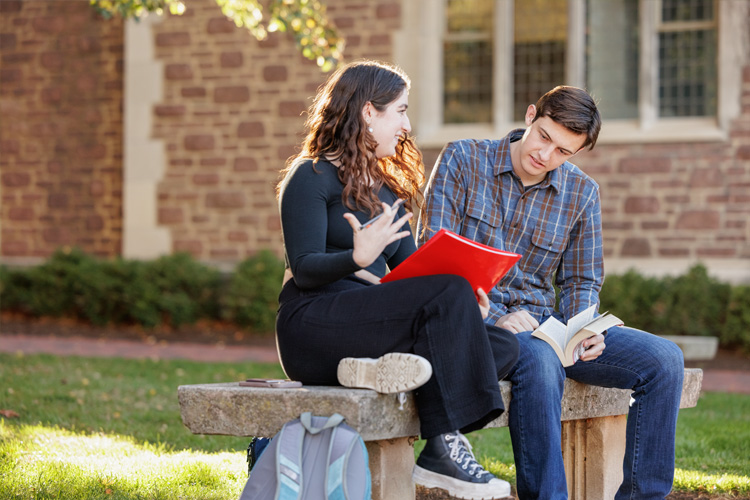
(142, 139)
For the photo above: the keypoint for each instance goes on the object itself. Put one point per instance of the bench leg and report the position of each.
(593, 450)
(391, 464)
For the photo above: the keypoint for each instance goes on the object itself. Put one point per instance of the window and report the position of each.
(539, 47)
(467, 62)
(687, 58)
(478, 64)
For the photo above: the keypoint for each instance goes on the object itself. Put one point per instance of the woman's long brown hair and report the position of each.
(336, 130)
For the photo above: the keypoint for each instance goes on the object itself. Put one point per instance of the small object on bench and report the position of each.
(593, 418)
(270, 382)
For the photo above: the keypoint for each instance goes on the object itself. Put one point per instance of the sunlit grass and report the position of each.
(44, 462)
(689, 480)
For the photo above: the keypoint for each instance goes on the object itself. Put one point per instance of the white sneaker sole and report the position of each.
(391, 373)
(494, 490)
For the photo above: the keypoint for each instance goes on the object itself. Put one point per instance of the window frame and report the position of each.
(418, 49)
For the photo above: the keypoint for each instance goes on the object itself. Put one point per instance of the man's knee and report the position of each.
(671, 362)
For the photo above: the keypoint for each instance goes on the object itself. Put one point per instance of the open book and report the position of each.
(448, 253)
(567, 341)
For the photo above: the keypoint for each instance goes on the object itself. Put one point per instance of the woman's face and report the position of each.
(390, 125)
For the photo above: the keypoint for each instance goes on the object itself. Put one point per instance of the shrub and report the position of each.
(47, 289)
(690, 304)
(252, 296)
(638, 300)
(696, 304)
(187, 290)
(117, 292)
(736, 330)
(174, 289)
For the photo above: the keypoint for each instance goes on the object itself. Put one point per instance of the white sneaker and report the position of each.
(391, 373)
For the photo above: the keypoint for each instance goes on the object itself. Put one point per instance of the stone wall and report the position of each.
(60, 128)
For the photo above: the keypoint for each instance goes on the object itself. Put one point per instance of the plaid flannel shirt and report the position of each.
(555, 225)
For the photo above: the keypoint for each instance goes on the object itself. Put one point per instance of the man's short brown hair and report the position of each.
(574, 109)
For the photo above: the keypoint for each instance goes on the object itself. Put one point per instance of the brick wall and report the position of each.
(229, 118)
(61, 128)
(677, 201)
(232, 115)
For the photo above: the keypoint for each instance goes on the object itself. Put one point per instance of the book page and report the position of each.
(602, 323)
(579, 321)
(554, 330)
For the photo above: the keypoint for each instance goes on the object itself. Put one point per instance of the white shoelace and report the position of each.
(462, 453)
(401, 400)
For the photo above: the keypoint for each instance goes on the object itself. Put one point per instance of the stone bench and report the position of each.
(593, 438)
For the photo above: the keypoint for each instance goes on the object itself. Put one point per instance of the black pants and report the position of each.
(435, 317)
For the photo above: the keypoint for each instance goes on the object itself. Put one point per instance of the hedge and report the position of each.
(172, 290)
(178, 290)
(690, 304)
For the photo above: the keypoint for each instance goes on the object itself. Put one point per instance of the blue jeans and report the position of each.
(649, 365)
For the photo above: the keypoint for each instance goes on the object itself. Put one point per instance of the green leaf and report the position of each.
(315, 37)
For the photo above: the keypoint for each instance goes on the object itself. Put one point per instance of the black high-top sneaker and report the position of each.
(448, 463)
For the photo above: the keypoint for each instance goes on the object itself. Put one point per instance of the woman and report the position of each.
(357, 163)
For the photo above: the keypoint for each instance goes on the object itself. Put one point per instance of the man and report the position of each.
(521, 194)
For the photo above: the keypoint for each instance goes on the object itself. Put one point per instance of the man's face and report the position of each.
(545, 145)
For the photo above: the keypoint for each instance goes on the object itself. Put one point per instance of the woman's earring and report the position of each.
(369, 129)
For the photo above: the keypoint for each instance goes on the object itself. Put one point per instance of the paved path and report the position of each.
(713, 380)
(84, 346)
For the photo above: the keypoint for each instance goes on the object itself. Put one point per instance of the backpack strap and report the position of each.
(306, 419)
(289, 461)
(339, 449)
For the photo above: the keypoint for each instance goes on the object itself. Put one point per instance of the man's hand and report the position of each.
(594, 347)
(517, 322)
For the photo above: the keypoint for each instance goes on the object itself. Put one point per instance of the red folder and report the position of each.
(448, 253)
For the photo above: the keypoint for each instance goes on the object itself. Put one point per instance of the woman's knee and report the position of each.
(455, 287)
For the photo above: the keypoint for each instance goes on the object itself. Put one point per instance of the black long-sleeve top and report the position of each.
(318, 239)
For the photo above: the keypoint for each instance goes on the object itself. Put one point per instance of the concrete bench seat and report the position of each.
(593, 418)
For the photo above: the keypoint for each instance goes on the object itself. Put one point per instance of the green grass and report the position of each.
(136, 398)
(111, 429)
(713, 445)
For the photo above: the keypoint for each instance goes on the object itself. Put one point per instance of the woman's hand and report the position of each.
(370, 241)
(484, 303)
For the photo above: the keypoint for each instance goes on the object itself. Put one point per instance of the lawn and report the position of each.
(110, 429)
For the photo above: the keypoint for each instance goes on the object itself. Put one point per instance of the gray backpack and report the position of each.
(312, 458)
